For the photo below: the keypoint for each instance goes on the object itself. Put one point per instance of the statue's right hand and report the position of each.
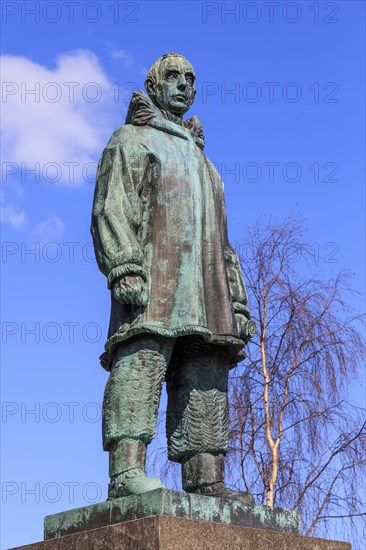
(131, 289)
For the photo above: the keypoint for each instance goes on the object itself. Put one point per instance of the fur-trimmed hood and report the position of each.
(142, 111)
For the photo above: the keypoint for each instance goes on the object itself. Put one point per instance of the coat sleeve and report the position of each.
(236, 283)
(233, 271)
(117, 210)
(237, 288)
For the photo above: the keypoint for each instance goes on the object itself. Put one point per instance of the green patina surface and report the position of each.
(171, 503)
(179, 308)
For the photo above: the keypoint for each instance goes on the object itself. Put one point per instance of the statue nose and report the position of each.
(181, 84)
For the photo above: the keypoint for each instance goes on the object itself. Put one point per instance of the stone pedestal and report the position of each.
(168, 520)
(163, 502)
(172, 533)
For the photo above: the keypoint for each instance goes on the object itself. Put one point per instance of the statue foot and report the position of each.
(203, 474)
(132, 482)
(221, 491)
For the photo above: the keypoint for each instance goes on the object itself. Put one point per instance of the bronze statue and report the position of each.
(179, 305)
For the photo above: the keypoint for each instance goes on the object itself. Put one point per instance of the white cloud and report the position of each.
(50, 229)
(125, 59)
(13, 217)
(60, 122)
(121, 55)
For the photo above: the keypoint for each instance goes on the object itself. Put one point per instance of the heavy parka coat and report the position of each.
(159, 212)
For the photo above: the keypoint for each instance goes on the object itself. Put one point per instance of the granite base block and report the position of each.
(171, 533)
(163, 502)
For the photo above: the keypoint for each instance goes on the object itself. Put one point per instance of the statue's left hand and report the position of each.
(131, 289)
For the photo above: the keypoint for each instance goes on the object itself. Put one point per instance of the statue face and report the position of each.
(174, 90)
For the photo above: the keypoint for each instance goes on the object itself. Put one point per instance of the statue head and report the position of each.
(170, 83)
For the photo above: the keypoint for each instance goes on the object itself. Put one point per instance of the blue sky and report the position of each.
(280, 94)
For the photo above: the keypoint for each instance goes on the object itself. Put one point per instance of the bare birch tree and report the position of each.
(296, 439)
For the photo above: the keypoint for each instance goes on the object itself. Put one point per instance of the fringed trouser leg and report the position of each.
(132, 393)
(197, 414)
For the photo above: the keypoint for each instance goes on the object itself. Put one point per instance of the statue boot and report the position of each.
(127, 463)
(203, 474)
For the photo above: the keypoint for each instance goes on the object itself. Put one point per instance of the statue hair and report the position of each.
(152, 74)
